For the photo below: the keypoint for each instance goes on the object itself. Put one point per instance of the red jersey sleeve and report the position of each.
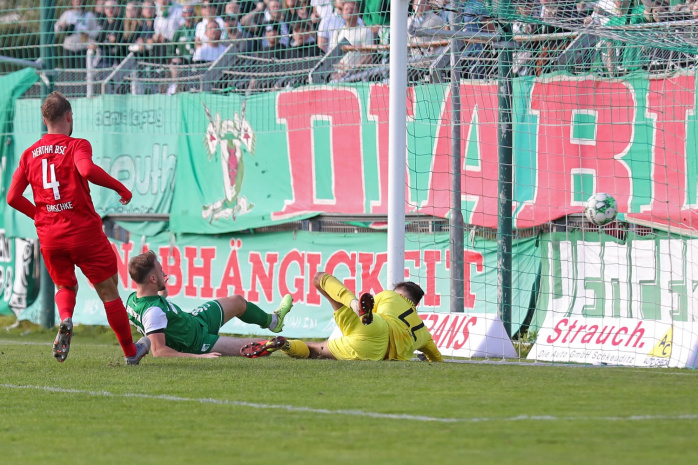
(81, 150)
(15, 194)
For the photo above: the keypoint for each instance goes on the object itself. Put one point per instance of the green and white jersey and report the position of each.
(184, 332)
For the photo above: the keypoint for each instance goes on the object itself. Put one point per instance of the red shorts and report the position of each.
(95, 259)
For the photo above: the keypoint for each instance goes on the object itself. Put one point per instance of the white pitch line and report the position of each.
(357, 413)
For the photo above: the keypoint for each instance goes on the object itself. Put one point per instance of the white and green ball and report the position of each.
(601, 209)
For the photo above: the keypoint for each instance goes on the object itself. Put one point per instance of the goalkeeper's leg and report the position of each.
(292, 347)
(339, 296)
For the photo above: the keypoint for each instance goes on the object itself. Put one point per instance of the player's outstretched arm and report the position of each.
(15, 195)
(97, 175)
(159, 349)
(432, 352)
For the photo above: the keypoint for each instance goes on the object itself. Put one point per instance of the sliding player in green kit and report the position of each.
(175, 333)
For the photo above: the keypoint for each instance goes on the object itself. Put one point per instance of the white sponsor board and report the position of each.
(645, 279)
(616, 341)
(631, 303)
(465, 335)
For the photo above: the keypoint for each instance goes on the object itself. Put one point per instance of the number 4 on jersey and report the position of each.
(50, 184)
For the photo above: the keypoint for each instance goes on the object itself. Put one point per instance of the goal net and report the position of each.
(602, 100)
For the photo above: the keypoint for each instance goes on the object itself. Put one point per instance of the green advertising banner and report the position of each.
(133, 139)
(264, 267)
(12, 86)
(18, 264)
(247, 162)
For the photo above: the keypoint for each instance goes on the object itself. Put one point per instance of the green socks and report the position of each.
(256, 316)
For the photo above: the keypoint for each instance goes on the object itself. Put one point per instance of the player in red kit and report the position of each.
(58, 168)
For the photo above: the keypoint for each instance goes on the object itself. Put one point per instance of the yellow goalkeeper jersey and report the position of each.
(407, 330)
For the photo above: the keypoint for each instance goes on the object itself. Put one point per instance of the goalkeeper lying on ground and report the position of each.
(387, 328)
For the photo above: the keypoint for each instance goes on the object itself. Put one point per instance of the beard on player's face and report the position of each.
(162, 282)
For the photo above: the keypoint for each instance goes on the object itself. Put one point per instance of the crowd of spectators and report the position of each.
(165, 31)
(592, 52)
(169, 33)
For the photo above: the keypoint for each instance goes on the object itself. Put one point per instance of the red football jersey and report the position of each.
(65, 215)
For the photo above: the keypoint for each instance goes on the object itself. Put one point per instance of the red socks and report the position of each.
(118, 320)
(65, 301)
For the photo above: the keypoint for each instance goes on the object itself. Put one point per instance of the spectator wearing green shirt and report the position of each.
(619, 57)
(182, 49)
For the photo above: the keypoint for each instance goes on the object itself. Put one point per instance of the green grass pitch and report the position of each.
(93, 409)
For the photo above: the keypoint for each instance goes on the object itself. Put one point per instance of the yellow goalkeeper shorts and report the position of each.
(359, 341)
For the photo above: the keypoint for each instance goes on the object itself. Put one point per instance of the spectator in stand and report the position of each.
(288, 11)
(303, 44)
(274, 49)
(246, 6)
(524, 63)
(208, 15)
(144, 43)
(322, 8)
(609, 12)
(602, 12)
(562, 10)
(245, 38)
(213, 48)
(661, 13)
(168, 17)
(304, 12)
(423, 17)
(302, 55)
(684, 10)
(330, 24)
(132, 27)
(295, 10)
(182, 50)
(81, 27)
(647, 6)
(663, 60)
(167, 20)
(274, 14)
(111, 36)
(100, 13)
(376, 14)
(232, 16)
(264, 15)
(356, 35)
(634, 58)
(252, 24)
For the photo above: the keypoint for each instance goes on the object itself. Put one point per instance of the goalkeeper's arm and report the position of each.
(431, 351)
